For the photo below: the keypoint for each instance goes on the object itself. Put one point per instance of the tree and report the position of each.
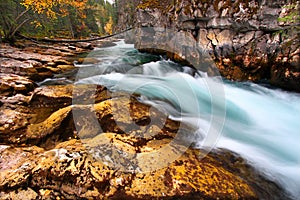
(109, 26)
(12, 15)
(56, 18)
(52, 8)
(16, 13)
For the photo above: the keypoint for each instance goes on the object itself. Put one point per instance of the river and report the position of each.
(257, 122)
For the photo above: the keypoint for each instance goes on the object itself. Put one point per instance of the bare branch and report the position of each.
(22, 13)
(18, 27)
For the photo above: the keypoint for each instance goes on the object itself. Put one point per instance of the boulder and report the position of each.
(11, 84)
(22, 68)
(16, 165)
(114, 148)
(13, 124)
(73, 170)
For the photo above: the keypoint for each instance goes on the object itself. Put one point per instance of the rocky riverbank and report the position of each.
(46, 155)
(247, 40)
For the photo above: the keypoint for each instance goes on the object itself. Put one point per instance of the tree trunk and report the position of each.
(13, 28)
(12, 35)
(71, 41)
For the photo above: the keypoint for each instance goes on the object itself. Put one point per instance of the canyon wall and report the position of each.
(247, 40)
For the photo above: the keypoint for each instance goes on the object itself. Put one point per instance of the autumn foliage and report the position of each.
(56, 18)
(55, 7)
(109, 26)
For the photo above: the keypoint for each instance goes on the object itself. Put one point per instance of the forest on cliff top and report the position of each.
(56, 18)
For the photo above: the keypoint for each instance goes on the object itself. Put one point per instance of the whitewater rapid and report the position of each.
(260, 124)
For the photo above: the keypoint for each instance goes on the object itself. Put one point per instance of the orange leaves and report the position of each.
(36, 24)
(52, 8)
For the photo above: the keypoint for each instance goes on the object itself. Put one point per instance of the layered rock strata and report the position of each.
(246, 40)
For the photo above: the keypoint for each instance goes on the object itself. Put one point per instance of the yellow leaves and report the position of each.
(36, 23)
(54, 7)
(109, 26)
(51, 14)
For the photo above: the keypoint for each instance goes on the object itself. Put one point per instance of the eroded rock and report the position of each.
(22, 68)
(73, 170)
(52, 96)
(251, 35)
(11, 84)
(17, 54)
(118, 148)
(16, 165)
(13, 124)
(20, 194)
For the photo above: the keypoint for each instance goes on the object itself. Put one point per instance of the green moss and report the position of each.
(293, 15)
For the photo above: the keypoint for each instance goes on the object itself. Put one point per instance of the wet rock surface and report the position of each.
(85, 142)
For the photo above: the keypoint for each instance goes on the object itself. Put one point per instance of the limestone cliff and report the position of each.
(247, 40)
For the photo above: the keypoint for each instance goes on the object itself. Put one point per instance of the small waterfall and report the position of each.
(260, 124)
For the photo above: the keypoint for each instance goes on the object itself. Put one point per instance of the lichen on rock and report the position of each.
(119, 148)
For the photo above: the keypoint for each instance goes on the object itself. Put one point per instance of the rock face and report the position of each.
(245, 39)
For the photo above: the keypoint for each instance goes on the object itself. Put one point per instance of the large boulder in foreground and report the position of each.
(72, 171)
(69, 171)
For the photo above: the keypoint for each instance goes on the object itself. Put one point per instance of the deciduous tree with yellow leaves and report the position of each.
(18, 13)
(52, 8)
(109, 26)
